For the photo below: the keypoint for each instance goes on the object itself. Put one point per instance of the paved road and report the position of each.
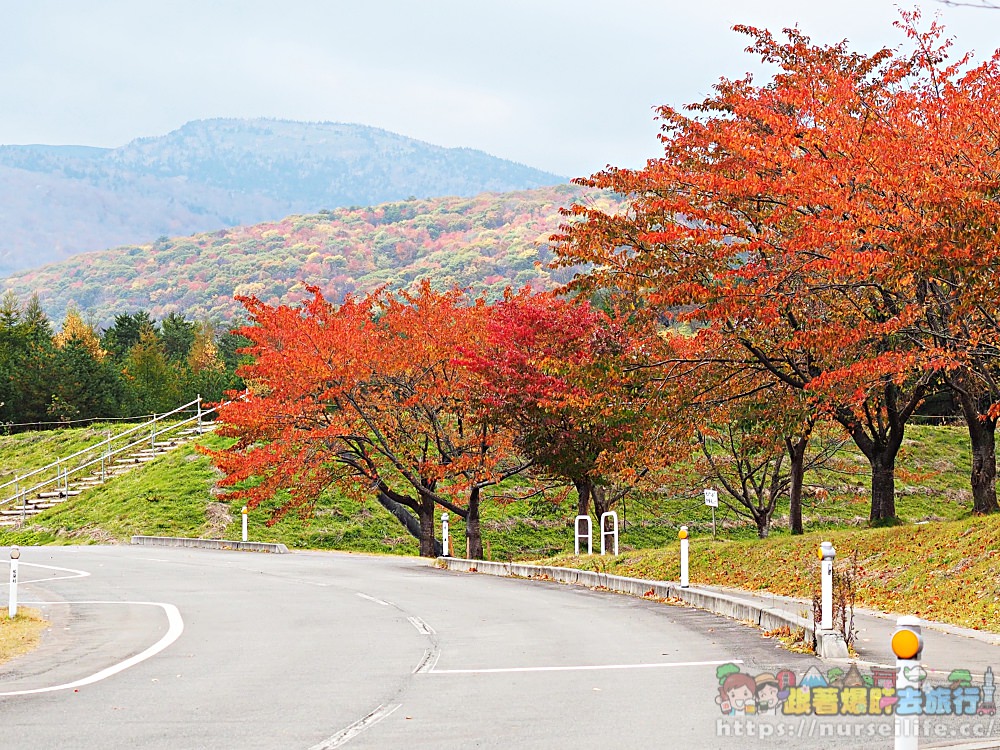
(294, 651)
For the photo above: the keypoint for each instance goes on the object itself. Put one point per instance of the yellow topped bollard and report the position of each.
(683, 536)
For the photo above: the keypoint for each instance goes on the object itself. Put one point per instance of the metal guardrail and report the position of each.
(102, 453)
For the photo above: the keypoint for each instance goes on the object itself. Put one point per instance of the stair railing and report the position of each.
(105, 453)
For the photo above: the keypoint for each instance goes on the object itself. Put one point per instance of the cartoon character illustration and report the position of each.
(769, 695)
(737, 694)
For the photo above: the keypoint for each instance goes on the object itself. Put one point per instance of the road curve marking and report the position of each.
(348, 733)
(75, 573)
(175, 626)
(659, 665)
(422, 627)
(373, 599)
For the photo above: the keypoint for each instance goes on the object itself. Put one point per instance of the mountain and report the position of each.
(486, 243)
(56, 201)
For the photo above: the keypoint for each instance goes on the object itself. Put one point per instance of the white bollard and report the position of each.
(683, 536)
(827, 554)
(444, 535)
(907, 645)
(244, 523)
(579, 536)
(613, 532)
(15, 553)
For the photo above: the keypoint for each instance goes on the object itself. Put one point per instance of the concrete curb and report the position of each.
(175, 541)
(713, 601)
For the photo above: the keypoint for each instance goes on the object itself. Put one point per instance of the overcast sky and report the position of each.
(568, 86)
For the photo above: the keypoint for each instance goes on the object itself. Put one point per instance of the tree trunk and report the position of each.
(883, 466)
(429, 545)
(984, 468)
(797, 454)
(401, 513)
(414, 525)
(583, 487)
(602, 504)
(473, 535)
(763, 525)
(982, 437)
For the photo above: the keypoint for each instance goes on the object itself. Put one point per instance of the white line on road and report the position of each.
(175, 627)
(349, 733)
(373, 599)
(428, 662)
(73, 573)
(661, 665)
(421, 626)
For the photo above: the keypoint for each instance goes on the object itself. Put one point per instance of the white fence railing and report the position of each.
(56, 474)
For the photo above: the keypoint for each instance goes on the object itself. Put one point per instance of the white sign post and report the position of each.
(444, 535)
(244, 523)
(15, 553)
(612, 532)
(908, 645)
(826, 554)
(578, 535)
(712, 501)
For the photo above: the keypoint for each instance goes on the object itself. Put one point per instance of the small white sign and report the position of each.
(712, 498)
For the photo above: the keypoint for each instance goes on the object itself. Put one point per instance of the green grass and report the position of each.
(946, 571)
(175, 495)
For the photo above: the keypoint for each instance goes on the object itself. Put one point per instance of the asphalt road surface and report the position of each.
(185, 649)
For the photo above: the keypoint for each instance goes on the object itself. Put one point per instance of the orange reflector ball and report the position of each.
(905, 644)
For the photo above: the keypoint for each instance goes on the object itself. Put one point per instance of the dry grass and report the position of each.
(20, 634)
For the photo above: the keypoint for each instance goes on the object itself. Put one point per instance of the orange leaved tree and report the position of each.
(834, 223)
(367, 396)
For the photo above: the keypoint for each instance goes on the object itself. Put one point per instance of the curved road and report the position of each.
(309, 651)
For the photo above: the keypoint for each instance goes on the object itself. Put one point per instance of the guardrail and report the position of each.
(58, 472)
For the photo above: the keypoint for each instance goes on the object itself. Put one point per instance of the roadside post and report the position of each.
(907, 645)
(585, 521)
(612, 532)
(827, 554)
(244, 523)
(683, 536)
(444, 535)
(712, 501)
(15, 553)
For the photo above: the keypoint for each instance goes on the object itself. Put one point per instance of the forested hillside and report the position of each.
(485, 243)
(56, 201)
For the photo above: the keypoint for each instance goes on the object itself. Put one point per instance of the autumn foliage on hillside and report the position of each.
(484, 243)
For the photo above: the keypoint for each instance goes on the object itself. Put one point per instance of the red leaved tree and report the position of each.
(366, 396)
(569, 382)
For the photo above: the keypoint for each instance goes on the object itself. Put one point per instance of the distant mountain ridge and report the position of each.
(56, 201)
(485, 243)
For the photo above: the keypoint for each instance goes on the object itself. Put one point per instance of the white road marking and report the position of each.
(175, 627)
(73, 573)
(349, 733)
(661, 665)
(373, 599)
(428, 662)
(421, 626)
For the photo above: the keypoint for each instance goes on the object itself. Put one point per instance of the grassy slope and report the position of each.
(944, 569)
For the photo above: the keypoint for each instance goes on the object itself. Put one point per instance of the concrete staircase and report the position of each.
(13, 515)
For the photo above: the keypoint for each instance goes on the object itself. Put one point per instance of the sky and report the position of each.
(565, 86)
